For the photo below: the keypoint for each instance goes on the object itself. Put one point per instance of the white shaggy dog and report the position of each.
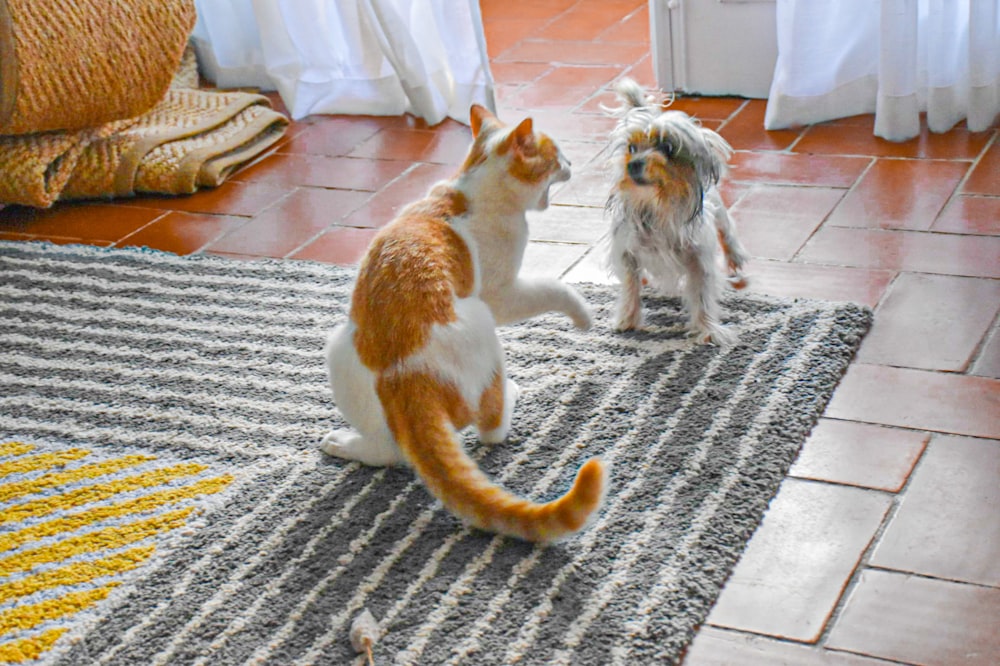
(667, 218)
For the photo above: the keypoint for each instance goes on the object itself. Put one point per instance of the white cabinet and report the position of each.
(714, 47)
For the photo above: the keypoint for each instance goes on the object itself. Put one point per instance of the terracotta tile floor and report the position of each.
(883, 545)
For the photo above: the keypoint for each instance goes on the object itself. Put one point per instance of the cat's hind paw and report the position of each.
(349, 445)
(499, 434)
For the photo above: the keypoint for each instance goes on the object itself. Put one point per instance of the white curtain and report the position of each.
(377, 57)
(896, 58)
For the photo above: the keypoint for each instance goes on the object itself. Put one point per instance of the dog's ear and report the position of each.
(719, 153)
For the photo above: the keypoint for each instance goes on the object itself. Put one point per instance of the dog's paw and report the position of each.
(628, 312)
(629, 321)
(738, 281)
(715, 335)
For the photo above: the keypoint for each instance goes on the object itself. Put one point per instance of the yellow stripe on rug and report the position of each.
(138, 505)
(98, 492)
(15, 448)
(56, 567)
(42, 461)
(74, 574)
(12, 491)
(27, 649)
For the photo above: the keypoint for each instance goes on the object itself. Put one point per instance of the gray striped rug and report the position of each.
(163, 500)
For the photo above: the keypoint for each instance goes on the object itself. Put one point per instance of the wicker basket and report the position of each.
(74, 64)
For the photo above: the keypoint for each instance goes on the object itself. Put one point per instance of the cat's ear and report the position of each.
(478, 116)
(524, 131)
(522, 136)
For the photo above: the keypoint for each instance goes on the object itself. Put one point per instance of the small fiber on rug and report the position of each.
(163, 499)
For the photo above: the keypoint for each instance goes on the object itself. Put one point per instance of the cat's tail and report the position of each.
(420, 420)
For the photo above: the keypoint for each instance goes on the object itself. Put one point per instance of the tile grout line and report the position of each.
(864, 561)
(790, 148)
(977, 353)
(847, 192)
(957, 192)
(372, 195)
(728, 119)
(931, 577)
(743, 633)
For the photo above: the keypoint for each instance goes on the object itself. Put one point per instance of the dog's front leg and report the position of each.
(629, 310)
(732, 249)
(701, 297)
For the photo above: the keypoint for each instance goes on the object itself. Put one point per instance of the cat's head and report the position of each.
(531, 160)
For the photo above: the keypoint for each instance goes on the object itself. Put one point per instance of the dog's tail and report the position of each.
(632, 96)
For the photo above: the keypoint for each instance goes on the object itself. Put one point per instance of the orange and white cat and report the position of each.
(419, 359)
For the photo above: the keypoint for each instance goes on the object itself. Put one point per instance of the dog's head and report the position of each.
(661, 156)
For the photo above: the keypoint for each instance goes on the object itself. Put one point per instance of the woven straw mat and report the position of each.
(167, 150)
(190, 139)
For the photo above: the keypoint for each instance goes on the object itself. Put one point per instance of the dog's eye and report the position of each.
(667, 148)
(632, 149)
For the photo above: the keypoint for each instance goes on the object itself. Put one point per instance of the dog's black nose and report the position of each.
(636, 169)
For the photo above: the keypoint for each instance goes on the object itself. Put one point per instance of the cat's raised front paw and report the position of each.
(582, 319)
